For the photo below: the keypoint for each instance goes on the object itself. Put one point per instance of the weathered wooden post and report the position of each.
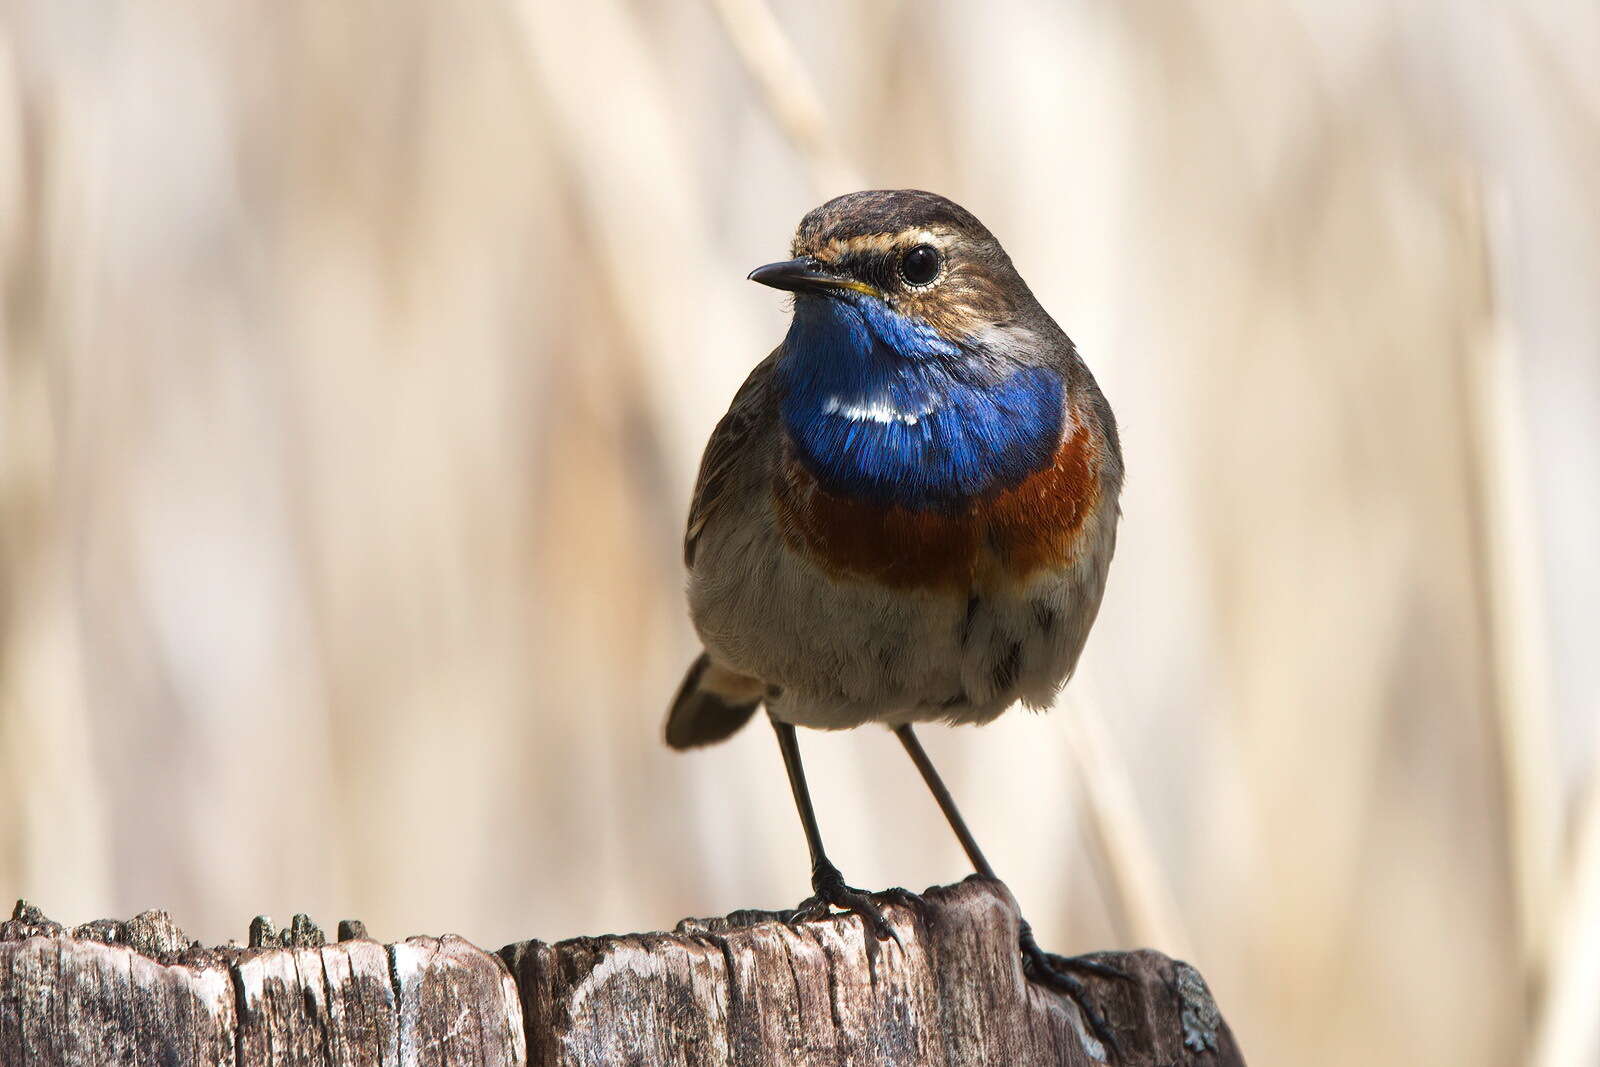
(743, 990)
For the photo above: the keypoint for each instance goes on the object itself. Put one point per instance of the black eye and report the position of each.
(920, 265)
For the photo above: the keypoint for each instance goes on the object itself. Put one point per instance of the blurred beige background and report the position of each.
(356, 358)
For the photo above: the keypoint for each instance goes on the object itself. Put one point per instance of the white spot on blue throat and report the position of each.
(881, 406)
(876, 411)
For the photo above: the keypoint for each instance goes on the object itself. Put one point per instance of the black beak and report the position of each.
(803, 275)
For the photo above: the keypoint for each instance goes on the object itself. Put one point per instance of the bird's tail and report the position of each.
(712, 703)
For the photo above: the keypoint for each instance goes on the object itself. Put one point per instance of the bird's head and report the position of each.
(916, 266)
(919, 370)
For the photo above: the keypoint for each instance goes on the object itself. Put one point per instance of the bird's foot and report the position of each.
(1052, 970)
(830, 891)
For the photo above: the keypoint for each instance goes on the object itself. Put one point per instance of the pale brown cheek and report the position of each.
(962, 304)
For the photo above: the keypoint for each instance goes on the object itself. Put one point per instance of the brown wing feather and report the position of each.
(746, 418)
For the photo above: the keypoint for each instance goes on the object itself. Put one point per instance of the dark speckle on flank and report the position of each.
(1010, 665)
(1045, 616)
(885, 211)
(966, 621)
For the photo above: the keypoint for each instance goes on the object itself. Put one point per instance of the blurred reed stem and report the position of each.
(1566, 1025)
(1513, 607)
(788, 92)
(1138, 891)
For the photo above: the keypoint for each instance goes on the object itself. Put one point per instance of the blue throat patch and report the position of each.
(883, 407)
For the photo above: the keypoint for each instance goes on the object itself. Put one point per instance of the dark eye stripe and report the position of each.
(874, 268)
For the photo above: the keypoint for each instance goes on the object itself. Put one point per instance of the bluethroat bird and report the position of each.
(907, 513)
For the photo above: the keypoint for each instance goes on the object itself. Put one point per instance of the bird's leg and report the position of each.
(1041, 966)
(827, 885)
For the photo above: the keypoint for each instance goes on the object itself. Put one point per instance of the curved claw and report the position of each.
(1049, 969)
(1065, 983)
(1087, 965)
(1054, 962)
(903, 897)
(809, 910)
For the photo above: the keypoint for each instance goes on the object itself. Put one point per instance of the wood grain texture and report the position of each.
(747, 989)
